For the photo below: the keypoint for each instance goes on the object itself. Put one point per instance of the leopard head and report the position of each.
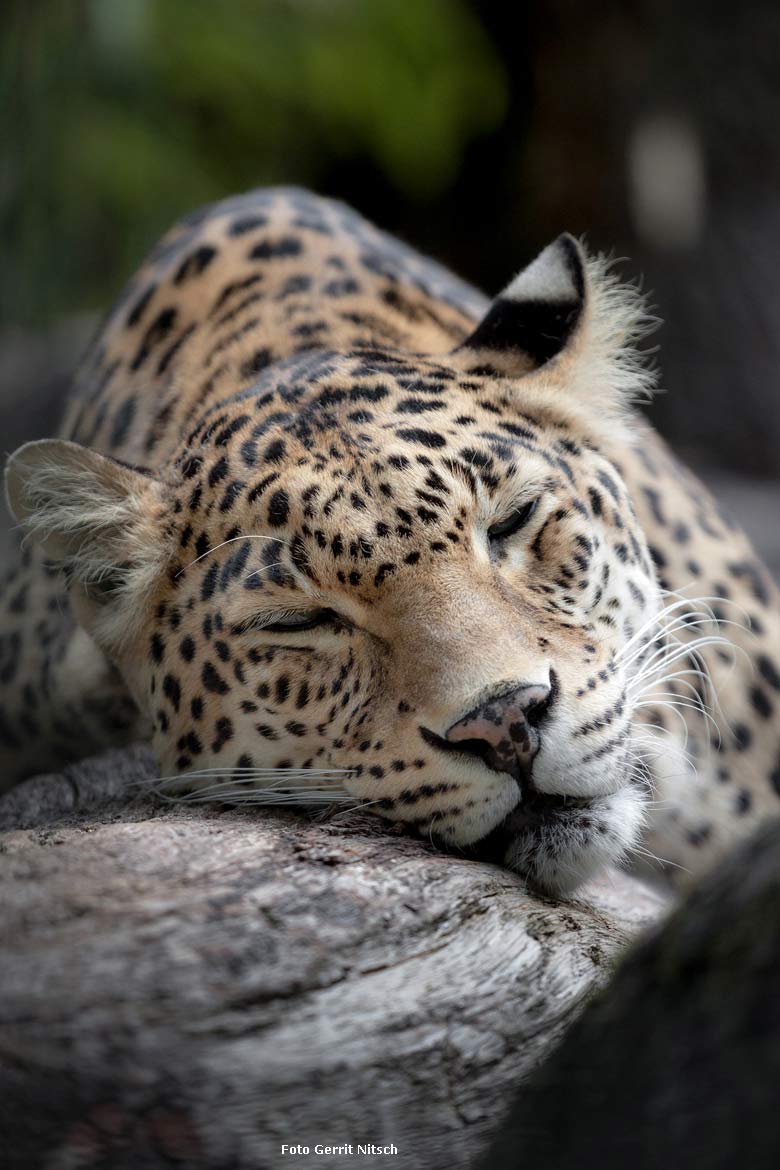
(411, 578)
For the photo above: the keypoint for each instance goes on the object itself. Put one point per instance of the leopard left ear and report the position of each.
(569, 323)
(532, 320)
(98, 518)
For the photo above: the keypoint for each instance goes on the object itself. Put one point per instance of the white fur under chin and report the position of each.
(558, 853)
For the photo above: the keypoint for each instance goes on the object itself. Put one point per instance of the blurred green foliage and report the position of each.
(119, 115)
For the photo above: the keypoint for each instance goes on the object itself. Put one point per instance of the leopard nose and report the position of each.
(503, 730)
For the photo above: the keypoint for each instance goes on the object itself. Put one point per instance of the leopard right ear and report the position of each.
(538, 313)
(101, 519)
(567, 328)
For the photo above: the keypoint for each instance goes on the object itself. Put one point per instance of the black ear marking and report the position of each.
(539, 311)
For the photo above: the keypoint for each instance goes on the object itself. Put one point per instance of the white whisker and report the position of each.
(642, 851)
(263, 569)
(209, 551)
(248, 786)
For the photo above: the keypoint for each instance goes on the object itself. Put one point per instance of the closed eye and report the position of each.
(514, 522)
(291, 621)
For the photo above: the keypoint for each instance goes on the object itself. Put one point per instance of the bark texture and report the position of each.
(192, 988)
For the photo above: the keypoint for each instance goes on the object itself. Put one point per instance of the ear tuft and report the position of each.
(609, 372)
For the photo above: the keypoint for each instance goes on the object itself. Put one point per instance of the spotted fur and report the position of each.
(317, 506)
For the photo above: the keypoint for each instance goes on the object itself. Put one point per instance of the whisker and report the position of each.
(249, 786)
(641, 851)
(674, 702)
(254, 773)
(263, 569)
(257, 797)
(716, 600)
(658, 619)
(209, 551)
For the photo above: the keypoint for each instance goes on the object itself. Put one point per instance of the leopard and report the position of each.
(324, 524)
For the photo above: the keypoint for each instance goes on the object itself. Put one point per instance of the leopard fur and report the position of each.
(290, 417)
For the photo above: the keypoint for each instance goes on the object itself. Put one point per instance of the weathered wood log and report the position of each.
(198, 988)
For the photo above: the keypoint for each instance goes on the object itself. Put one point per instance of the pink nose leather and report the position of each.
(500, 729)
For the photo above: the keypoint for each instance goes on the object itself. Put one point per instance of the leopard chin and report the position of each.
(557, 843)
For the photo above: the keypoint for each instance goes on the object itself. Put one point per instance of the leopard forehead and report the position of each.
(371, 462)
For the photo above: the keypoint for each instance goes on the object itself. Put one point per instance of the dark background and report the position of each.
(475, 130)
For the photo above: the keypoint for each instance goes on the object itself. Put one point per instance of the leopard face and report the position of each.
(409, 560)
(413, 577)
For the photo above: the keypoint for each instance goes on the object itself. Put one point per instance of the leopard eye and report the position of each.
(292, 621)
(518, 519)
